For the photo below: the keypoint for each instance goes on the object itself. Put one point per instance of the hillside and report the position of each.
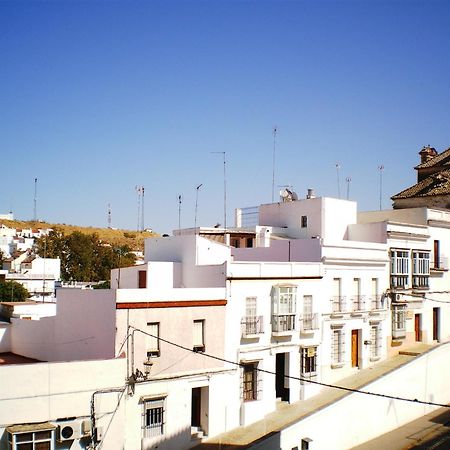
(134, 239)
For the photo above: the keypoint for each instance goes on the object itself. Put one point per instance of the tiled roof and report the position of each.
(443, 159)
(436, 184)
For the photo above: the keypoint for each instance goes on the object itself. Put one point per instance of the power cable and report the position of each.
(333, 386)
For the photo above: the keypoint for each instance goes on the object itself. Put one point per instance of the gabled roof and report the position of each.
(436, 184)
(443, 159)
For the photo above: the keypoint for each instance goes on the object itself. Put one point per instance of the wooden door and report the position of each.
(435, 324)
(417, 330)
(355, 348)
(436, 255)
(142, 279)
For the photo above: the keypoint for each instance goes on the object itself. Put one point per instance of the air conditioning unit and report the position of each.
(73, 429)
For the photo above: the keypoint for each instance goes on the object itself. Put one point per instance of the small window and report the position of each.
(153, 418)
(337, 346)
(304, 221)
(250, 381)
(153, 345)
(199, 336)
(31, 439)
(249, 242)
(308, 361)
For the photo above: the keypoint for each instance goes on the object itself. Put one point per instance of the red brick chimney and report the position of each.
(427, 153)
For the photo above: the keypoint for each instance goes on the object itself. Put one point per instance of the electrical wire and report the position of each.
(333, 386)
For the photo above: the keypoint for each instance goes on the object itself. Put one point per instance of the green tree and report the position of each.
(11, 291)
(83, 256)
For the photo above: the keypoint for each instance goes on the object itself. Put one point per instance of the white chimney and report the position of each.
(310, 194)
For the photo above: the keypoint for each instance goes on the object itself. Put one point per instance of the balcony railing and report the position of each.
(309, 322)
(440, 263)
(358, 303)
(283, 322)
(251, 325)
(399, 281)
(420, 281)
(338, 304)
(375, 302)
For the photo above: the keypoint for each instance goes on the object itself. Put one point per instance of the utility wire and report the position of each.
(393, 397)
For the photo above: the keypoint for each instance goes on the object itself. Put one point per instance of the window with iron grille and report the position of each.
(250, 380)
(308, 361)
(153, 340)
(399, 268)
(337, 346)
(421, 268)
(199, 336)
(251, 323)
(308, 318)
(153, 417)
(375, 340)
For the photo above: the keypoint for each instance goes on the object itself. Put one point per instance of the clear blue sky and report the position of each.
(98, 97)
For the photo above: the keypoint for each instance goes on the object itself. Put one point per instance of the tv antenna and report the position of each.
(140, 207)
(179, 212)
(338, 179)
(109, 215)
(196, 204)
(380, 169)
(274, 131)
(224, 189)
(348, 180)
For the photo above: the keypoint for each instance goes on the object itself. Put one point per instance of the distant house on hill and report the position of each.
(433, 182)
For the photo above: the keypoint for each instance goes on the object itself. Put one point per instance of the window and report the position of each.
(249, 242)
(358, 300)
(250, 381)
(308, 320)
(199, 336)
(153, 418)
(251, 323)
(399, 321)
(375, 340)
(337, 300)
(153, 344)
(337, 346)
(376, 298)
(399, 269)
(304, 222)
(421, 268)
(308, 361)
(31, 437)
(283, 308)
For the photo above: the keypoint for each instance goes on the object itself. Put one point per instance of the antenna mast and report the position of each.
(109, 215)
(35, 200)
(142, 210)
(196, 204)
(381, 168)
(273, 161)
(338, 180)
(179, 212)
(348, 180)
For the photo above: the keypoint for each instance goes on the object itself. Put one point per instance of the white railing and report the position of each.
(251, 325)
(309, 322)
(338, 304)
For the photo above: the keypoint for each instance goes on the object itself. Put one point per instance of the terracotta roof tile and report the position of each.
(443, 159)
(436, 184)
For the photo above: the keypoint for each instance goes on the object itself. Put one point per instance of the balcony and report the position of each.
(251, 326)
(439, 264)
(337, 305)
(421, 281)
(283, 324)
(358, 304)
(309, 322)
(375, 302)
(399, 281)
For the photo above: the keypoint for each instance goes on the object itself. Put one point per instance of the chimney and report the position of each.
(427, 153)
(310, 194)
